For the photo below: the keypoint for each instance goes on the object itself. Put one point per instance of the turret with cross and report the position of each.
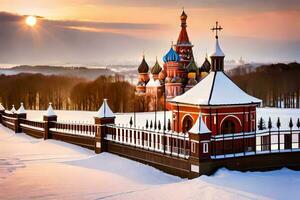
(217, 58)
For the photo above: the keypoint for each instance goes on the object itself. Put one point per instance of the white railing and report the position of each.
(168, 142)
(262, 142)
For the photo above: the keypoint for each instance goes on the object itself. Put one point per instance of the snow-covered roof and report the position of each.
(153, 83)
(50, 111)
(104, 111)
(21, 110)
(13, 110)
(1, 107)
(215, 89)
(218, 51)
(199, 127)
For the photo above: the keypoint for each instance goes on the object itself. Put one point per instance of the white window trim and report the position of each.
(205, 147)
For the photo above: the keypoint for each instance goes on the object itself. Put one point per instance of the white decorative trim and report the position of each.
(195, 168)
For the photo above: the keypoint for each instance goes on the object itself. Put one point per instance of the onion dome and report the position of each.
(205, 66)
(143, 68)
(156, 68)
(162, 75)
(171, 56)
(192, 67)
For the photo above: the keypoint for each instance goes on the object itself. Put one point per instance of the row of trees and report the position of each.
(277, 84)
(262, 124)
(37, 90)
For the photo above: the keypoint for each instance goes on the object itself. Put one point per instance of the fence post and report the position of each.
(49, 119)
(17, 121)
(103, 117)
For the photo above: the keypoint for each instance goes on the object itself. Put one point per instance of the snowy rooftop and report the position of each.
(13, 110)
(199, 127)
(215, 89)
(1, 107)
(153, 83)
(218, 51)
(104, 111)
(21, 110)
(50, 111)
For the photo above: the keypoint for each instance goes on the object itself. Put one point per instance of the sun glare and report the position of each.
(30, 20)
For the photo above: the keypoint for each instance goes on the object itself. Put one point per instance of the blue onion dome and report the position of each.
(143, 68)
(156, 68)
(192, 67)
(171, 56)
(206, 66)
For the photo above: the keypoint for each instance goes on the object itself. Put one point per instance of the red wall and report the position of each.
(214, 116)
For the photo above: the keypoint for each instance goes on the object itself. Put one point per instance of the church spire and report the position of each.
(217, 58)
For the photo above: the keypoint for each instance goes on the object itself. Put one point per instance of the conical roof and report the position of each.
(216, 89)
(199, 127)
(218, 51)
(50, 111)
(104, 111)
(21, 110)
(156, 68)
(144, 67)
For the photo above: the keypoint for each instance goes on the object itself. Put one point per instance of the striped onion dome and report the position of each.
(171, 56)
(156, 68)
(143, 68)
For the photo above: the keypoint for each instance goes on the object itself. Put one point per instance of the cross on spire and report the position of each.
(216, 29)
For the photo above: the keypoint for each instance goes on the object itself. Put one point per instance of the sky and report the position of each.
(101, 32)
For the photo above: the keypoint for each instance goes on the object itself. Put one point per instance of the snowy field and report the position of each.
(36, 169)
(124, 118)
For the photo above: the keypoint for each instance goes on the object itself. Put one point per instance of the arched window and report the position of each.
(228, 126)
(187, 124)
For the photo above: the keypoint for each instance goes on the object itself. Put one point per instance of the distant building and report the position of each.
(179, 73)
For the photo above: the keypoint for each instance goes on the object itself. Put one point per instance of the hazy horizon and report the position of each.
(90, 32)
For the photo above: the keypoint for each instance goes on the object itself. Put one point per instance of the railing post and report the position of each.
(103, 117)
(2, 111)
(49, 119)
(17, 121)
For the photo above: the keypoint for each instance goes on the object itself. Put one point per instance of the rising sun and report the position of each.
(30, 20)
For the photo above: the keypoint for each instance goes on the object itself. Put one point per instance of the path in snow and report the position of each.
(33, 169)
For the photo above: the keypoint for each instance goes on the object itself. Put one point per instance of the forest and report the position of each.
(278, 85)
(66, 93)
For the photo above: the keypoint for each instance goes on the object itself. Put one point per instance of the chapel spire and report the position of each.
(184, 46)
(217, 58)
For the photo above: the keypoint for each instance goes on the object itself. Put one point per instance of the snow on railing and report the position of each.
(32, 124)
(168, 142)
(81, 129)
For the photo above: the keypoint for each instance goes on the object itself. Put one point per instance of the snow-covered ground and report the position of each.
(36, 169)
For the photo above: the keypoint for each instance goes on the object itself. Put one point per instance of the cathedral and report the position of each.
(178, 74)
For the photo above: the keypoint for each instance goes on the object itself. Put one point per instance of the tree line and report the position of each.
(66, 93)
(276, 84)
